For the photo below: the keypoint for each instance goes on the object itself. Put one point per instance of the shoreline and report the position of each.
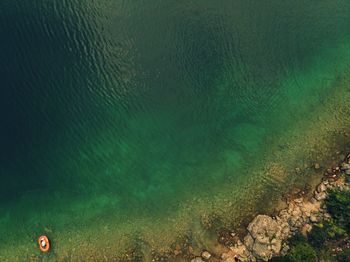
(216, 240)
(228, 243)
(267, 235)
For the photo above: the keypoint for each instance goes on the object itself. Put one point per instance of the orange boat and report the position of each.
(44, 243)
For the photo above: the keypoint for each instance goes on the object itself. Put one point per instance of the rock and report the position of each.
(296, 213)
(292, 221)
(298, 200)
(197, 259)
(345, 166)
(327, 216)
(321, 188)
(313, 219)
(249, 241)
(298, 223)
(320, 196)
(240, 252)
(284, 215)
(284, 250)
(262, 228)
(229, 259)
(276, 245)
(313, 200)
(285, 231)
(262, 239)
(206, 255)
(262, 251)
(306, 229)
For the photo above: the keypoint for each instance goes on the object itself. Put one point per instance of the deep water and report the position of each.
(120, 115)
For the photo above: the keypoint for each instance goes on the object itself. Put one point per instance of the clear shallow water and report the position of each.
(117, 116)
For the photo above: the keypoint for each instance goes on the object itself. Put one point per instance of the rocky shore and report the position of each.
(267, 235)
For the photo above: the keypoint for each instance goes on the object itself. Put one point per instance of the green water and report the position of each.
(133, 120)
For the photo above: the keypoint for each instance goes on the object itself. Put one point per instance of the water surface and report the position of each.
(134, 120)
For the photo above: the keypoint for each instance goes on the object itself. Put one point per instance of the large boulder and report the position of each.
(264, 238)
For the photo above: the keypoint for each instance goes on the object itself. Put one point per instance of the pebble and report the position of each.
(298, 200)
(197, 259)
(313, 218)
(206, 255)
(313, 200)
(320, 196)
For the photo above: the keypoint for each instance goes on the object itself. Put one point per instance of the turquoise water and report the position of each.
(120, 117)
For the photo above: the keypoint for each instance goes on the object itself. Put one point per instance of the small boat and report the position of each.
(44, 244)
